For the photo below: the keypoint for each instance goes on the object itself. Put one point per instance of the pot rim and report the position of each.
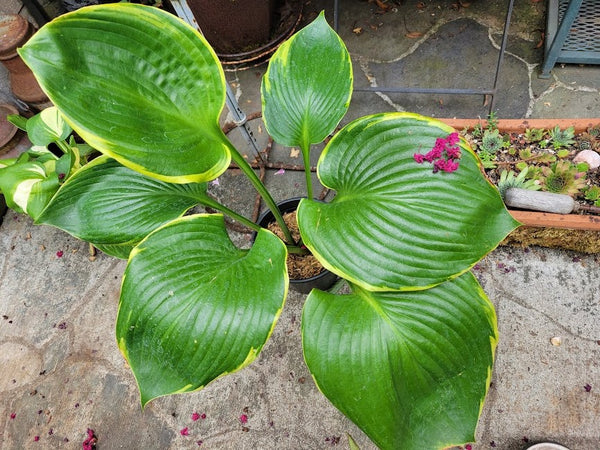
(295, 201)
(520, 125)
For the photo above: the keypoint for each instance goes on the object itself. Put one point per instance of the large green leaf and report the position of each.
(110, 205)
(121, 251)
(137, 84)
(394, 223)
(307, 87)
(411, 369)
(194, 307)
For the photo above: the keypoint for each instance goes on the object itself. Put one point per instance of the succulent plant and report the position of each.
(594, 131)
(534, 134)
(562, 138)
(508, 179)
(491, 141)
(588, 141)
(592, 193)
(562, 177)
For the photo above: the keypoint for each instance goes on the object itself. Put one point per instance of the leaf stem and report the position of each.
(64, 147)
(211, 203)
(297, 250)
(307, 174)
(262, 190)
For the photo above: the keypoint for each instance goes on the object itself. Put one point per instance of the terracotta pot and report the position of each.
(577, 232)
(15, 31)
(242, 31)
(520, 125)
(8, 131)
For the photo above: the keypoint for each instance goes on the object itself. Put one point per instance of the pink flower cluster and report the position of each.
(444, 155)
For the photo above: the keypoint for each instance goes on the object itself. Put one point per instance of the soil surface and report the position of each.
(300, 267)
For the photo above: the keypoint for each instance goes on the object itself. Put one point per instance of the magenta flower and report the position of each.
(444, 155)
(243, 418)
(439, 164)
(451, 166)
(453, 153)
(195, 416)
(440, 144)
(184, 431)
(433, 154)
(453, 138)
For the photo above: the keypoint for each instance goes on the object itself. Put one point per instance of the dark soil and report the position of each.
(300, 267)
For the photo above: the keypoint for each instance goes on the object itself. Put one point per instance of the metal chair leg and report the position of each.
(553, 50)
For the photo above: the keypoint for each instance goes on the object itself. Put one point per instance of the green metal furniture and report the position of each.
(572, 33)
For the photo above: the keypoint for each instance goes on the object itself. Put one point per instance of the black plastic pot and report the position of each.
(3, 208)
(322, 281)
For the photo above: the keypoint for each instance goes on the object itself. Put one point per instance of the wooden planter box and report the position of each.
(569, 231)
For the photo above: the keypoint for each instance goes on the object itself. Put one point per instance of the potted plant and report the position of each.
(558, 158)
(407, 354)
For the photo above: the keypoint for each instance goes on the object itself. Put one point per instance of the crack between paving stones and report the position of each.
(514, 299)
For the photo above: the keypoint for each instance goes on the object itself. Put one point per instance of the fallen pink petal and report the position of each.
(13, 415)
(280, 172)
(36, 438)
(59, 254)
(184, 431)
(91, 440)
(195, 416)
(243, 418)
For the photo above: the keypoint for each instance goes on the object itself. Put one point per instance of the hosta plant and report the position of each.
(30, 181)
(407, 354)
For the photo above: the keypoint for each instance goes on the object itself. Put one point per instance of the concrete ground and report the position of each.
(62, 374)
